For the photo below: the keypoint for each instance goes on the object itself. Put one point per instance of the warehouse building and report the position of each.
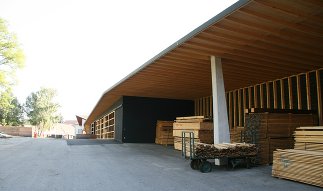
(255, 54)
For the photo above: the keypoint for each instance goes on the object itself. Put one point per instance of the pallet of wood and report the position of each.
(201, 127)
(210, 151)
(164, 133)
(309, 138)
(299, 165)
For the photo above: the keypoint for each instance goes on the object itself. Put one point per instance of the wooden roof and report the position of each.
(258, 41)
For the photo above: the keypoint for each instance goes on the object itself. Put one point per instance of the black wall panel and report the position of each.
(140, 116)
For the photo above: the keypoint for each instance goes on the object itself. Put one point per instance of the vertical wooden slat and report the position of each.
(250, 97)
(230, 110)
(282, 93)
(319, 98)
(200, 107)
(207, 107)
(211, 105)
(268, 94)
(275, 94)
(204, 107)
(239, 107)
(244, 103)
(195, 107)
(234, 109)
(299, 93)
(290, 93)
(308, 91)
(255, 97)
(261, 96)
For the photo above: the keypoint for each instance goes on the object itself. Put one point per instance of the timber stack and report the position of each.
(201, 127)
(209, 151)
(273, 129)
(309, 138)
(164, 133)
(304, 163)
(236, 134)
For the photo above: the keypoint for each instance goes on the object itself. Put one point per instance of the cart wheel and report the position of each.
(205, 167)
(195, 164)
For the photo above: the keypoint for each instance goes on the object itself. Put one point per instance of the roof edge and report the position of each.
(190, 35)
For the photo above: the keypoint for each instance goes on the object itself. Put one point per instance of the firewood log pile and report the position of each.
(225, 150)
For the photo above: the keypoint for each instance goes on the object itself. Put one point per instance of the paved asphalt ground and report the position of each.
(28, 164)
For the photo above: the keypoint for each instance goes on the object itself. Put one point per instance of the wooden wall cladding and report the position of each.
(302, 91)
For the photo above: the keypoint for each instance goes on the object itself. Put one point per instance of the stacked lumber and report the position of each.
(225, 150)
(235, 134)
(271, 131)
(299, 165)
(309, 138)
(164, 133)
(201, 127)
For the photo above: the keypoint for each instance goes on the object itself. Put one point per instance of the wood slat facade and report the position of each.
(302, 91)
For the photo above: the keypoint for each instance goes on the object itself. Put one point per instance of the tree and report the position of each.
(41, 109)
(11, 56)
(11, 59)
(15, 117)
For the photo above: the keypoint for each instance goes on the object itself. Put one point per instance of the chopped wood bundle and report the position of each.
(164, 133)
(299, 165)
(309, 138)
(225, 150)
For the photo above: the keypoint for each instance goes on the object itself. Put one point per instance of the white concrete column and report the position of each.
(220, 115)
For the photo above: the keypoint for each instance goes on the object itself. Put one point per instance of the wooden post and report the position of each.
(255, 96)
(234, 108)
(275, 94)
(250, 97)
(319, 98)
(290, 93)
(244, 103)
(282, 94)
(261, 96)
(230, 110)
(299, 93)
(268, 94)
(239, 107)
(308, 91)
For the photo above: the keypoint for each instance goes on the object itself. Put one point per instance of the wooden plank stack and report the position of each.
(309, 138)
(304, 163)
(164, 133)
(225, 150)
(201, 127)
(271, 131)
(235, 134)
(299, 165)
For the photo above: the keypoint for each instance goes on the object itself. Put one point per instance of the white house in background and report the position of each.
(79, 128)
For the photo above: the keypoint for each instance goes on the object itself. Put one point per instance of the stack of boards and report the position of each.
(201, 127)
(235, 134)
(164, 133)
(304, 163)
(274, 131)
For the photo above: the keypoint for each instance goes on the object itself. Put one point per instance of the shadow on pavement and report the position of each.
(90, 142)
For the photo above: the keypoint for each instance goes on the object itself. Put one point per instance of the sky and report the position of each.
(83, 47)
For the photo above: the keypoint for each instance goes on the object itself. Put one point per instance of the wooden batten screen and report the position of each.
(104, 128)
(302, 91)
(203, 106)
